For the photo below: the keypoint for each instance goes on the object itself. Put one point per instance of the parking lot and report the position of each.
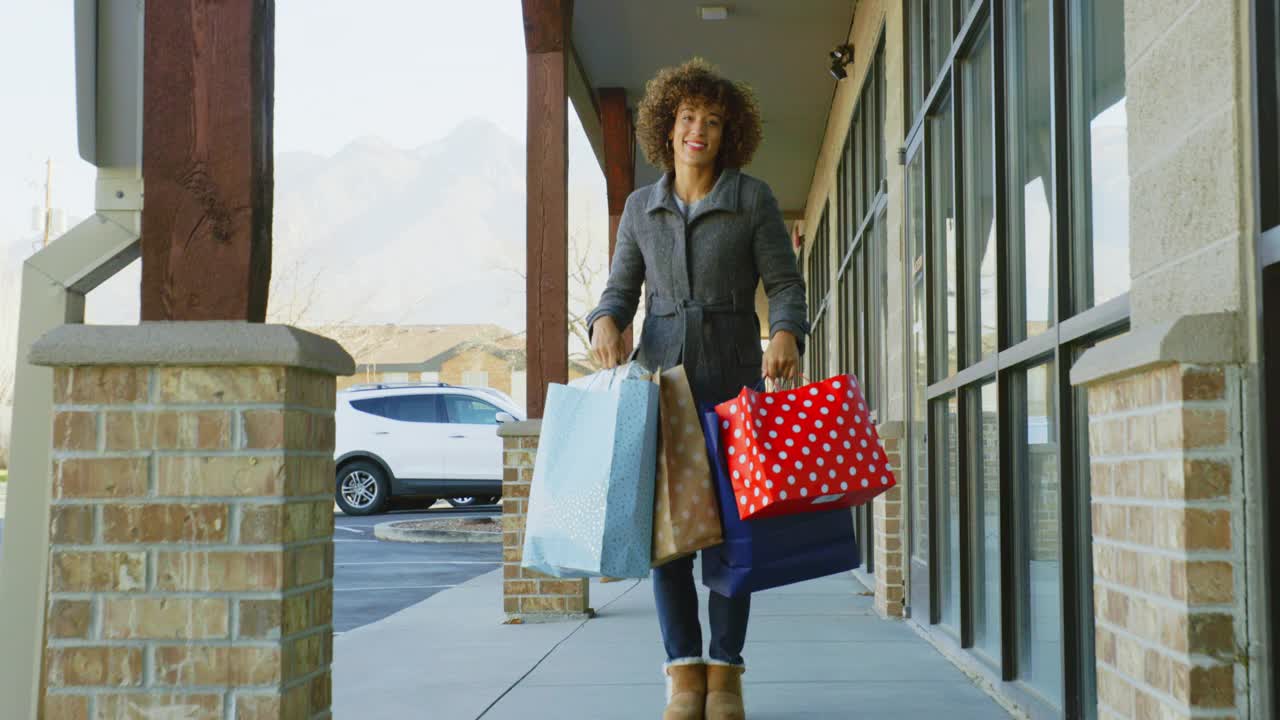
(373, 579)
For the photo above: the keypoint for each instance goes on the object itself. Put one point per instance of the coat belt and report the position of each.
(692, 312)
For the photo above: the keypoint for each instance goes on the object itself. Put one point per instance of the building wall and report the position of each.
(1192, 258)
(1191, 162)
(1192, 261)
(498, 369)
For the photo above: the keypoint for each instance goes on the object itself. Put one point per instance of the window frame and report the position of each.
(1265, 25)
(1062, 341)
(442, 403)
(393, 401)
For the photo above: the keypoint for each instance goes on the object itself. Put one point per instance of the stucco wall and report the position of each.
(1190, 161)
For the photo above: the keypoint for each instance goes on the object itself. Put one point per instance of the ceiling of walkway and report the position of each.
(779, 47)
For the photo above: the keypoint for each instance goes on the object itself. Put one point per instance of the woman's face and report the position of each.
(695, 137)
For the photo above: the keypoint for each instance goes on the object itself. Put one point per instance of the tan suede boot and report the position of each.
(687, 692)
(724, 693)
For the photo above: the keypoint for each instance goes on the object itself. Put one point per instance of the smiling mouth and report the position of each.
(695, 146)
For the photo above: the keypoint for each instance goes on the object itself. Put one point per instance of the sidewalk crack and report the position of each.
(550, 652)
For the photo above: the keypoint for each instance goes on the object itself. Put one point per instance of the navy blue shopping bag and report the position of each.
(771, 552)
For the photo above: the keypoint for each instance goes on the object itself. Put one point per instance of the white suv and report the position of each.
(425, 441)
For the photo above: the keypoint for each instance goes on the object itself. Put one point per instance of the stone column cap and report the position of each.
(526, 428)
(217, 343)
(1208, 339)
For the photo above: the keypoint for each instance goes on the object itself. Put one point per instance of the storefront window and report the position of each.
(1030, 163)
(979, 238)
(915, 58)
(947, 446)
(1100, 155)
(958, 303)
(1036, 463)
(940, 35)
(943, 229)
(918, 451)
(861, 285)
(985, 451)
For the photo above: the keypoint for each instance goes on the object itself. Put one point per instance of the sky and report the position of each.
(407, 71)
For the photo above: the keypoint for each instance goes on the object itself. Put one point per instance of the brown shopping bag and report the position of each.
(686, 515)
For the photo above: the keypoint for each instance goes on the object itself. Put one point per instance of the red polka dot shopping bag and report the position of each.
(802, 450)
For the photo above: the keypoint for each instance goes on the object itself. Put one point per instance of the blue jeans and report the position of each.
(677, 600)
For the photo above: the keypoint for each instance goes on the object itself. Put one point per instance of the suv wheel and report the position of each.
(362, 488)
(466, 502)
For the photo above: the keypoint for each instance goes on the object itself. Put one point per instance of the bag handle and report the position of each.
(763, 384)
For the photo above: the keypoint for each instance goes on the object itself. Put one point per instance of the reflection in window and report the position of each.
(880, 309)
(940, 36)
(917, 454)
(986, 474)
(859, 168)
(1100, 158)
(1036, 467)
(943, 228)
(916, 48)
(468, 411)
(1030, 180)
(372, 406)
(948, 464)
(411, 408)
(979, 203)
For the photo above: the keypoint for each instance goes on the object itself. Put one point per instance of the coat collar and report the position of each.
(723, 195)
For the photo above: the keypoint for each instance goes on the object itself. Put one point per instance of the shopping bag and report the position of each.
(686, 517)
(761, 554)
(591, 500)
(808, 449)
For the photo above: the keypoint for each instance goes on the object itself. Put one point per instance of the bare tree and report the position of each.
(294, 294)
(586, 270)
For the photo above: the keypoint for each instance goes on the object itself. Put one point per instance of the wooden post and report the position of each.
(547, 41)
(208, 76)
(619, 164)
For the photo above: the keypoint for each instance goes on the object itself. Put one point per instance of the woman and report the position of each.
(700, 239)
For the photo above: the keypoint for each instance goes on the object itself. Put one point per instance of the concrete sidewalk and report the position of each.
(815, 650)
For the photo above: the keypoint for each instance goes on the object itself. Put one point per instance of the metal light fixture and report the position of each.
(713, 12)
(840, 56)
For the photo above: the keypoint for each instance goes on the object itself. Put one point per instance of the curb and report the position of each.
(389, 532)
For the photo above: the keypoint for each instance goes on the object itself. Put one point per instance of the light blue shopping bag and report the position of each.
(591, 501)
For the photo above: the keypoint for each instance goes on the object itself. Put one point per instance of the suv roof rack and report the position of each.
(395, 385)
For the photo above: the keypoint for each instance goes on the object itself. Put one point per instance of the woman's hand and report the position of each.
(607, 347)
(782, 357)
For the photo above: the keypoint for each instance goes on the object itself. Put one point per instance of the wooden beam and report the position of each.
(619, 149)
(546, 27)
(619, 164)
(208, 76)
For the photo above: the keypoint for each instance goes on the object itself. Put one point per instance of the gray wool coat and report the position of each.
(700, 279)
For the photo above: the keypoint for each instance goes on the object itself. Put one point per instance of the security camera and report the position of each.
(841, 55)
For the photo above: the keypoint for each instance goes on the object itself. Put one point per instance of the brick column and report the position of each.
(887, 513)
(527, 595)
(191, 521)
(1168, 556)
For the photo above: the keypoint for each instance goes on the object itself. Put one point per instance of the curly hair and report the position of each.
(698, 82)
